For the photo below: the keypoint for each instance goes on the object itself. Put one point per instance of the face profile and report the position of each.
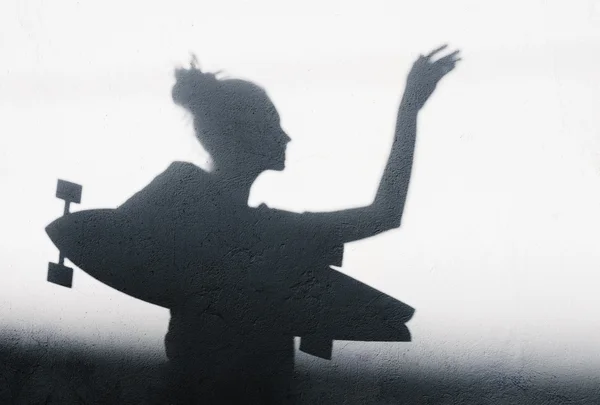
(263, 142)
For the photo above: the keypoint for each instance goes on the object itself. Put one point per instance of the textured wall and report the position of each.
(497, 248)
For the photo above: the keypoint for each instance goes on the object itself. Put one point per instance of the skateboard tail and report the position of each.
(115, 250)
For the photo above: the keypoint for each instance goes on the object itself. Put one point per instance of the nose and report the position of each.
(286, 137)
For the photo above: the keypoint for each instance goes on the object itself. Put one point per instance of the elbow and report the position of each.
(393, 217)
(395, 222)
(390, 222)
(386, 218)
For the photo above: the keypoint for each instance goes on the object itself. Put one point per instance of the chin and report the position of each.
(278, 164)
(279, 167)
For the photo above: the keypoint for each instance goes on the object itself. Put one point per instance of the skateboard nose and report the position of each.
(64, 232)
(51, 230)
(54, 230)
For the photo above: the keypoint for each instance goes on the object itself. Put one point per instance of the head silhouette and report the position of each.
(234, 120)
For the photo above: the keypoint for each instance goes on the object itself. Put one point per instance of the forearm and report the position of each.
(385, 212)
(393, 187)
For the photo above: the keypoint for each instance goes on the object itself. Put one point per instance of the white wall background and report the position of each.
(498, 250)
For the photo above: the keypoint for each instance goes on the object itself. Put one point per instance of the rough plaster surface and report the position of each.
(498, 246)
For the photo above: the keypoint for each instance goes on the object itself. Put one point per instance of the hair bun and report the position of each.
(192, 85)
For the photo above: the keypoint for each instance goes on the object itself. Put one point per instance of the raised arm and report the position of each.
(385, 212)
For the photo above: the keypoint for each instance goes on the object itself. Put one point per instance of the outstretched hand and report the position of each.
(425, 75)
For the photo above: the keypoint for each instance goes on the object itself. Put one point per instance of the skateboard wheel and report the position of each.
(71, 192)
(60, 274)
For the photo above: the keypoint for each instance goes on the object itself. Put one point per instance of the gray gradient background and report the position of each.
(498, 248)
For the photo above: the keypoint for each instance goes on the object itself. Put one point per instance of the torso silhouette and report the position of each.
(239, 278)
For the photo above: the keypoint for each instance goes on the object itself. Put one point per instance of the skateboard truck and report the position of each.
(58, 273)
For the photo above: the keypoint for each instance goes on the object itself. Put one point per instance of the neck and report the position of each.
(236, 183)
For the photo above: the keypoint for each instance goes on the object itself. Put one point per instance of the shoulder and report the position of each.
(183, 167)
(163, 188)
(300, 222)
(266, 211)
(306, 232)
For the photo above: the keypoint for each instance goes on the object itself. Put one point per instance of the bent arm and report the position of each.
(385, 213)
